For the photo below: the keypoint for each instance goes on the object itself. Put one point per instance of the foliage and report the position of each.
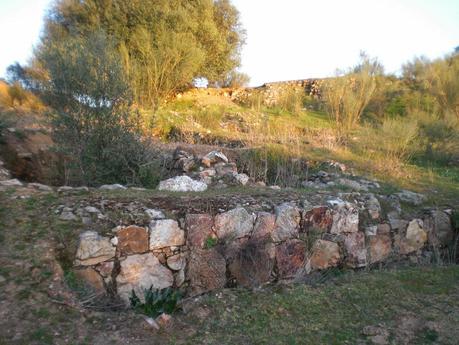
(347, 95)
(92, 122)
(156, 301)
(163, 45)
(236, 79)
(210, 242)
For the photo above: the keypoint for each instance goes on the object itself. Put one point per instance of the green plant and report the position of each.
(347, 95)
(157, 301)
(210, 242)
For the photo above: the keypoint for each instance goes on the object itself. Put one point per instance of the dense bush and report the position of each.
(93, 124)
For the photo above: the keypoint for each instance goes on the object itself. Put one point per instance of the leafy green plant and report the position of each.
(157, 301)
(210, 242)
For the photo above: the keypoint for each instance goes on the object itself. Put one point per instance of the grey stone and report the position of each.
(165, 233)
(94, 249)
(182, 184)
(234, 224)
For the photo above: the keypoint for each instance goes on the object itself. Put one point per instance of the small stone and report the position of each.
(224, 169)
(40, 187)
(176, 262)
(214, 157)
(91, 209)
(242, 179)
(11, 183)
(411, 197)
(164, 320)
(94, 249)
(155, 214)
(112, 187)
(67, 216)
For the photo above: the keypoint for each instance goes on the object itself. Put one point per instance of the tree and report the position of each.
(89, 93)
(163, 44)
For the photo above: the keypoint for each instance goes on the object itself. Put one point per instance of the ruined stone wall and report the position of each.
(237, 247)
(270, 93)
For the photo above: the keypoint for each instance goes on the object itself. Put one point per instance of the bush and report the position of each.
(347, 95)
(93, 124)
(157, 302)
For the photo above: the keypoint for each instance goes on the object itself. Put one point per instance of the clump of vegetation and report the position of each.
(347, 95)
(157, 301)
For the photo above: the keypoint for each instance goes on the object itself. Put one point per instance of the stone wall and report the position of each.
(237, 247)
(270, 93)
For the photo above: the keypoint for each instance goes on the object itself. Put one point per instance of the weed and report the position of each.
(156, 301)
(210, 242)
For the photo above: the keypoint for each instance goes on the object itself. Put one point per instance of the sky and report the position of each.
(294, 39)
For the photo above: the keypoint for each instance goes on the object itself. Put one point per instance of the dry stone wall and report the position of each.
(237, 247)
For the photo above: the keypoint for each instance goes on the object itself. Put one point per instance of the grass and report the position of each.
(335, 313)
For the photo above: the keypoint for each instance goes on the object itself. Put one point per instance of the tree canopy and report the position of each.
(162, 44)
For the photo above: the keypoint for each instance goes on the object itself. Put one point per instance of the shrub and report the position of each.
(347, 95)
(93, 124)
(156, 301)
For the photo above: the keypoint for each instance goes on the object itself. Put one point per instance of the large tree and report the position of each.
(163, 44)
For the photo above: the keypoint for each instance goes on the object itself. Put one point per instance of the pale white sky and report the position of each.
(293, 39)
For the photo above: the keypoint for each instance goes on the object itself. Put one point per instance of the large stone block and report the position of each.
(206, 271)
(140, 272)
(325, 254)
(290, 258)
(165, 233)
(439, 228)
(345, 218)
(199, 229)
(252, 264)
(94, 249)
(379, 247)
(414, 239)
(319, 218)
(132, 240)
(264, 226)
(356, 252)
(234, 224)
(287, 222)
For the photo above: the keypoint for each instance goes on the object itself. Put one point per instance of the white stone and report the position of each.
(112, 187)
(165, 233)
(287, 222)
(234, 224)
(94, 249)
(155, 214)
(242, 179)
(214, 157)
(182, 184)
(41, 187)
(11, 183)
(91, 209)
(345, 218)
(68, 216)
(176, 262)
(140, 272)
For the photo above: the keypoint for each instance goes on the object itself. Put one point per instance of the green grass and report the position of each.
(333, 313)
